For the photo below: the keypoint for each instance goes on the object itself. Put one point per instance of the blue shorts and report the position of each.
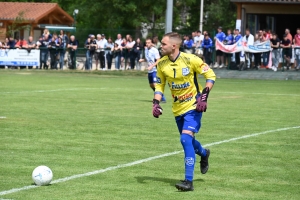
(190, 121)
(152, 77)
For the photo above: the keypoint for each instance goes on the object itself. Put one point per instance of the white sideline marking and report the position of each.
(2, 117)
(141, 161)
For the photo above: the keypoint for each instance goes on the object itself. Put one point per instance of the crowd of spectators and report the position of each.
(126, 51)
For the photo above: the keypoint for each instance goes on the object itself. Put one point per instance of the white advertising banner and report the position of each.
(19, 57)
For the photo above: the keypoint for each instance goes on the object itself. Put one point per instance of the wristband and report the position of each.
(204, 94)
(155, 101)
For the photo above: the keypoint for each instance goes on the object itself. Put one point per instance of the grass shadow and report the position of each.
(172, 182)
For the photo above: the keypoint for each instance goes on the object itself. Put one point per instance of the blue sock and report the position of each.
(189, 155)
(198, 148)
(163, 98)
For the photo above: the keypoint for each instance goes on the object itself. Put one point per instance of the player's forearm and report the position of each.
(157, 96)
(209, 84)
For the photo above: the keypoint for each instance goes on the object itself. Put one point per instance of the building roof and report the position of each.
(32, 11)
(268, 1)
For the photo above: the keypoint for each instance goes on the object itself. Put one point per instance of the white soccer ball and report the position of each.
(42, 175)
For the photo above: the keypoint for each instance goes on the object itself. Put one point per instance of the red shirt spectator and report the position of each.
(297, 38)
(21, 44)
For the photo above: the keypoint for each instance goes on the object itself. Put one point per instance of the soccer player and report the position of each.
(152, 57)
(179, 70)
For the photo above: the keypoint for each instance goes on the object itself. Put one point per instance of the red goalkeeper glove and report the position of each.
(202, 101)
(156, 109)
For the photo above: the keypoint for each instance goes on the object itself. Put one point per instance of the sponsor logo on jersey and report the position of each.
(180, 86)
(185, 71)
(158, 80)
(205, 68)
(189, 161)
(183, 98)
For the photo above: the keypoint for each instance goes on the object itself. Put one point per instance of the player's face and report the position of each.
(148, 44)
(166, 46)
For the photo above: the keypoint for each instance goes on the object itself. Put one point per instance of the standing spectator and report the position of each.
(46, 32)
(21, 44)
(5, 46)
(297, 50)
(220, 36)
(132, 55)
(117, 54)
(124, 54)
(275, 42)
(156, 43)
(53, 52)
(62, 52)
(138, 49)
(228, 41)
(87, 53)
(42, 44)
(198, 39)
(98, 50)
(72, 46)
(249, 40)
(207, 49)
(288, 34)
(286, 50)
(266, 55)
(60, 48)
(188, 44)
(236, 37)
(11, 43)
(109, 46)
(257, 56)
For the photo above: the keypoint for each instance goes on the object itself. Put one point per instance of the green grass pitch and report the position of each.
(81, 122)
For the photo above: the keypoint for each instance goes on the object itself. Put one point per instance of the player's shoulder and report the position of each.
(188, 56)
(163, 61)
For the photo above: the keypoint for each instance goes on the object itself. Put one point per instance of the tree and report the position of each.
(17, 25)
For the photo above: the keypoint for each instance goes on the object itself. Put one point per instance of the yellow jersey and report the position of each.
(182, 79)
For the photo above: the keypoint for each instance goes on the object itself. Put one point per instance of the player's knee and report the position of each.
(152, 86)
(185, 139)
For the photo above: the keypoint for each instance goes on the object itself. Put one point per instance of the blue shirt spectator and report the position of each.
(11, 43)
(229, 39)
(188, 43)
(207, 43)
(220, 35)
(237, 36)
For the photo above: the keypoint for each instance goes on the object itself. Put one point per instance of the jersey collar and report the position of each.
(175, 58)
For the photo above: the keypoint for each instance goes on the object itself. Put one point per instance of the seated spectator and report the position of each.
(297, 50)
(286, 50)
(275, 42)
(207, 49)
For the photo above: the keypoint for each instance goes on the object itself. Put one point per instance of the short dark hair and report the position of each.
(236, 29)
(174, 35)
(298, 29)
(198, 31)
(247, 29)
